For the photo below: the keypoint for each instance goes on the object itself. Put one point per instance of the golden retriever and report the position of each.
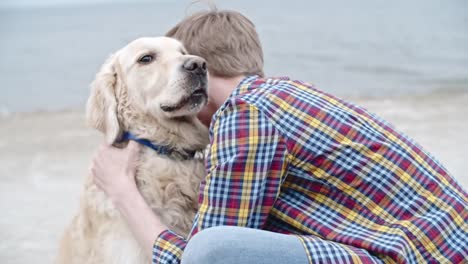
(152, 89)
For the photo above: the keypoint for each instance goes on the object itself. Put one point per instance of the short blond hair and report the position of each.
(226, 39)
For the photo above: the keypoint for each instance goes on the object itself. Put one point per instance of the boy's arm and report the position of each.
(143, 223)
(113, 171)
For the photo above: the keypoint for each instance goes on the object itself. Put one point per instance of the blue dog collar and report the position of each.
(178, 154)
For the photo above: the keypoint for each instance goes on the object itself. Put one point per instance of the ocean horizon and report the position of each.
(50, 52)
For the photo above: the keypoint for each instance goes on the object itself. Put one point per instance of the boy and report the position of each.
(294, 175)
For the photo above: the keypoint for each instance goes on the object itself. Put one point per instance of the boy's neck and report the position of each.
(219, 89)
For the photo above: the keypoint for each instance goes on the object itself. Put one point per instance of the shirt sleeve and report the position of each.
(246, 164)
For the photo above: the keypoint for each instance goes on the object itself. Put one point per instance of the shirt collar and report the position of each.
(243, 85)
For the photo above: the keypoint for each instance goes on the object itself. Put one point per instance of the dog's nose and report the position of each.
(195, 65)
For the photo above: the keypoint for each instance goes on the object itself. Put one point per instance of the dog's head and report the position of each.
(152, 76)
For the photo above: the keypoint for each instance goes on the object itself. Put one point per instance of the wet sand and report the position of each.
(44, 158)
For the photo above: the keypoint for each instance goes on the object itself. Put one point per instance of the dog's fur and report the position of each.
(128, 95)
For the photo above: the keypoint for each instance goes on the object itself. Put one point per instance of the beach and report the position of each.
(406, 61)
(44, 157)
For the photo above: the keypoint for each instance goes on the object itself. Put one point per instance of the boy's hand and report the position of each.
(113, 170)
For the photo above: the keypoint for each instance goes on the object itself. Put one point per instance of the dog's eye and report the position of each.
(146, 59)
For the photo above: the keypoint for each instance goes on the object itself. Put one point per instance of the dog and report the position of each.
(149, 91)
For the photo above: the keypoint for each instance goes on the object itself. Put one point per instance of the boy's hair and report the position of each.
(227, 40)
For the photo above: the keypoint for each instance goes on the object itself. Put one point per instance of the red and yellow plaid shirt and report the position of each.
(289, 158)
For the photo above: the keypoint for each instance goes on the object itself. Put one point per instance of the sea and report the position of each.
(50, 50)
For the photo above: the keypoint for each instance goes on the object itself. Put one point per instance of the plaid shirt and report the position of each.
(289, 158)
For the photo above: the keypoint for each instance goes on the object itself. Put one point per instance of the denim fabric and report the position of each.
(233, 245)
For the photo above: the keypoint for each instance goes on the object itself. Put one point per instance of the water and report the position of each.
(367, 48)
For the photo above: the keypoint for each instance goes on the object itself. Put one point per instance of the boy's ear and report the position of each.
(101, 108)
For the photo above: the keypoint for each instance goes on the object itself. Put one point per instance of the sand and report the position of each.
(44, 158)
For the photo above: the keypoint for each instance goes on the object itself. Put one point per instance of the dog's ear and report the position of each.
(101, 108)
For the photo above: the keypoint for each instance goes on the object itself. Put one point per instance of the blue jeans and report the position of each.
(230, 244)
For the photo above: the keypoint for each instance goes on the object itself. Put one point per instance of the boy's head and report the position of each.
(226, 39)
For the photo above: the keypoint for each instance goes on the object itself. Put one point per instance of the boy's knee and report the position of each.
(208, 246)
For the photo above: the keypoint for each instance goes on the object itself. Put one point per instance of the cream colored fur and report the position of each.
(126, 96)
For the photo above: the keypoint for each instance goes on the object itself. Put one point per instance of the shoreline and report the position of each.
(439, 93)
